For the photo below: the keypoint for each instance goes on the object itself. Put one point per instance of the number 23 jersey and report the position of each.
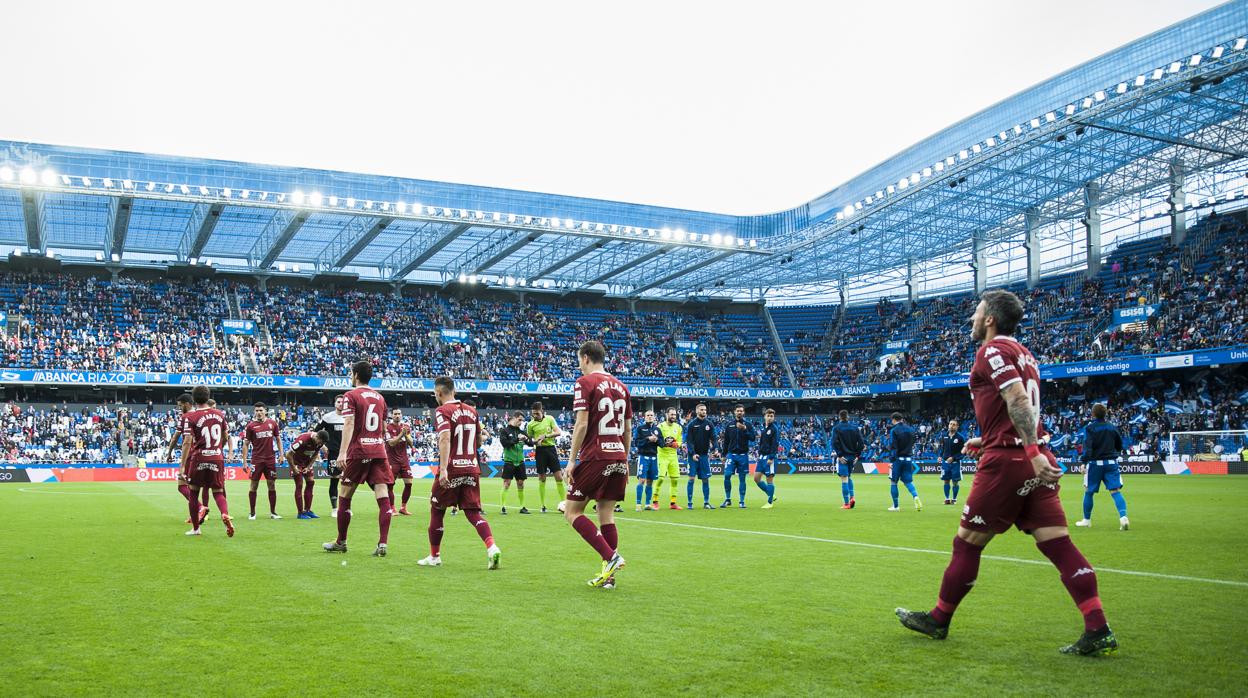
(608, 404)
(999, 364)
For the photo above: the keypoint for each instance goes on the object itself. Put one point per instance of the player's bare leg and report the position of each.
(339, 545)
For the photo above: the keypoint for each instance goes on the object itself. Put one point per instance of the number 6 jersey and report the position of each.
(368, 437)
(998, 364)
(607, 401)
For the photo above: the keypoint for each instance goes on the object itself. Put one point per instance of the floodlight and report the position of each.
(1194, 60)
(6, 174)
(333, 201)
(203, 191)
(281, 266)
(847, 211)
(86, 181)
(227, 192)
(99, 256)
(48, 177)
(400, 206)
(315, 199)
(1122, 87)
(729, 240)
(295, 268)
(717, 238)
(28, 176)
(116, 257)
(1175, 67)
(296, 199)
(185, 190)
(65, 179)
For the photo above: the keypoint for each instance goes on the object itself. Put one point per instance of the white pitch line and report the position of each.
(899, 548)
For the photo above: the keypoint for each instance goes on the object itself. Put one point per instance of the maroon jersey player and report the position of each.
(598, 466)
(459, 472)
(204, 432)
(262, 441)
(398, 440)
(185, 403)
(1016, 482)
(362, 456)
(302, 458)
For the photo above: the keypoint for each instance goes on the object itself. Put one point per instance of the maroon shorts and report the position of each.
(266, 470)
(1006, 492)
(374, 471)
(464, 493)
(210, 474)
(600, 481)
(402, 471)
(307, 472)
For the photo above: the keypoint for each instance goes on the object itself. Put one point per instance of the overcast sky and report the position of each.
(728, 107)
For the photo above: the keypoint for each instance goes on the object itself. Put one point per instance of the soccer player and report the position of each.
(459, 473)
(362, 456)
(699, 437)
(646, 441)
(543, 431)
(513, 439)
(598, 466)
(398, 440)
(1016, 482)
(332, 423)
(768, 444)
(672, 438)
(302, 458)
(848, 444)
(736, 438)
(204, 431)
(951, 443)
(1102, 444)
(262, 440)
(184, 403)
(901, 441)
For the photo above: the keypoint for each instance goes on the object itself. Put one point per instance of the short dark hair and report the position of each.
(363, 369)
(322, 436)
(899, 417)
(185, 397)
(672, 408)
(444, 382)
(700, 404)
(956, 421)
(537, 405)
(768, 411)
(261, 404)
(1099, 411)
(517, 415)
(200, 394)
(844, 415)
(738, 406)
(1005, 308)
(594, 351)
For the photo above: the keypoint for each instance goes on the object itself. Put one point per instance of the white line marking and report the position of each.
(879, 546)
(51, 490)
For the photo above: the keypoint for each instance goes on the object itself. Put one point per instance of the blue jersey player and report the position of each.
(646, 441)
(737, 437)
(901, 442)
(951, 443)
(768, 445)
(848, 445)
(699, 437)
(1102, 444)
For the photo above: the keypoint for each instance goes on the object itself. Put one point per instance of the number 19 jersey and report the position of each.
(368, 438)
(608, 403)
(460, 421)
(998, 364)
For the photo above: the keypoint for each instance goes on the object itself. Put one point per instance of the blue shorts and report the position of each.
(700, 465)
(766, 465)
(648, 467)
(951, 471)
(903, 469)
(736, 463)
(1106, 471)
(847, 469)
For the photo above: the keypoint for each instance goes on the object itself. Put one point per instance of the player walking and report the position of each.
(951, 443)
(262, 441)
(736, 439)
(699, 437)
(1016, 482)
(768, 445)
(185, 403)
(901, 440)
(362, 456)
(302, 458)
(598, 468)
(646, 440)
(672, 439)
(332, 423)
(459, 473)
(204, 431)
(848, 444)
(542, 431)
(398, 439)
(513, 439)
(1102, 444)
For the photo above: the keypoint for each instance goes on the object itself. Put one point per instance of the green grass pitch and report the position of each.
(101, 593)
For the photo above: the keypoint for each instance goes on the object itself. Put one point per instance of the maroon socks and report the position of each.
(192, 502)
(344, 518)
(958, 580)
(272, 501)
(299, 493)
(483, 527)
(185, 491)
(407, 492)
(590, 533)
(611, 535)
(1079, 578)
(436, 518)
(384, 507)
(307, 494)
(251, 499)
(222, 506)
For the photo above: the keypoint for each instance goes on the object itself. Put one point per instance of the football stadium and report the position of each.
(976, 418)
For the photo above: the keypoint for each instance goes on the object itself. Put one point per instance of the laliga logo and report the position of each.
(141, 475)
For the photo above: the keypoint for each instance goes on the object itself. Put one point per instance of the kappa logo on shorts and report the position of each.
(977, 519)
(578, 493)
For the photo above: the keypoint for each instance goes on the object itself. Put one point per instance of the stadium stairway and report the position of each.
(775, 341)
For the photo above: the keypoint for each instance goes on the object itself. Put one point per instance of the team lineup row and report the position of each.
(1016, 482)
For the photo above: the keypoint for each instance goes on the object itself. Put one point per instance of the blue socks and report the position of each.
(946, 489)
(851, 488)
(706, 491)
(845, 492)
(727, 485)
(910, 488)
(768, 488)
(1087, 505)
(689, 493)
(955, 490)
(892, 490)
(1120, 503)
(741, 487)
(641, 487)
(649, 493)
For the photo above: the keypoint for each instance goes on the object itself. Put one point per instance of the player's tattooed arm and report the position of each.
(1022, 412)
(578, 438)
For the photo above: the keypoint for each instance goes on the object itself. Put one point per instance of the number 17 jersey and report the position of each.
(999, 364)
(460, 421)
(608, 403)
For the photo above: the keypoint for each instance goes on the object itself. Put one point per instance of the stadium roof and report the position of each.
(1121, 121)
